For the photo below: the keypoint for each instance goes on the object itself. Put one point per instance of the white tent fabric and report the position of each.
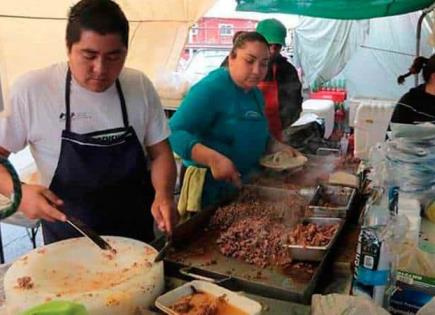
(373, 72)
(32, 34)
(369, 54)
(323, 46)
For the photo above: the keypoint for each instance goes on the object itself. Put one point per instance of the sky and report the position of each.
(227, 8)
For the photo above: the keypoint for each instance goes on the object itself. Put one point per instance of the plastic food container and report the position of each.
(315, 253)
(331, 201)
(245, 304)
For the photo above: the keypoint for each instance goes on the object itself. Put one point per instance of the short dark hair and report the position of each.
(246, 37)
(101, 16)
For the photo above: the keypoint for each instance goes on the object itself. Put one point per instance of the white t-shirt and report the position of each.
(38, 113)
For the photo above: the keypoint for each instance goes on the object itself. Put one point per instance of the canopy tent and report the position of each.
(32, 34)
(340, 37)
(335, 9)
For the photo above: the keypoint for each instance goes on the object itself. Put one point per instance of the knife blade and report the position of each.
(164, 249)
(89, 233)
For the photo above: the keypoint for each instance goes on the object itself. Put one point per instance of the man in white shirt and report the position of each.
(94, 128)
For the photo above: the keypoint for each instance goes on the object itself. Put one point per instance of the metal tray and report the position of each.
(315, 253)
(339, 197)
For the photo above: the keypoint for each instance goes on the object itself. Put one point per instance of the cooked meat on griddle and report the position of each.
(250, 204)
(255, 230)
(255, 240)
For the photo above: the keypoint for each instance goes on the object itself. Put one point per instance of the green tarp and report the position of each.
(335, 9)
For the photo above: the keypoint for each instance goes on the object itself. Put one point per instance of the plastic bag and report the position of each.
(338, 304)
(428, 309)
(171, 85)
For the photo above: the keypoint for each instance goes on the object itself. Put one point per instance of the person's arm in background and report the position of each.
(191, 120)
(163, 176)
(5, 181)
(289, 94)
(403, 112)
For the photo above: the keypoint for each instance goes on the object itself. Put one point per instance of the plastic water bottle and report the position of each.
(351, 143)
(344, 144)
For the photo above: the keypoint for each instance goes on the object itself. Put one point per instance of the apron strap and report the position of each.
(68, 104)
(67, 100)
(123, 106)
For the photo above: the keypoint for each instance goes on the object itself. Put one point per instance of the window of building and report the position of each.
(195, 29)
(226, 29)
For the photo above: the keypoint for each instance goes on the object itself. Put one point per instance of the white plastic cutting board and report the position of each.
(77, 270)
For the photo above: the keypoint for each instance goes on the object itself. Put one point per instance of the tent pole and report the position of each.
(417, 49)
(419, 26)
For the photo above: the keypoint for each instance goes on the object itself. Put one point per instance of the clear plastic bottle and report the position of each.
(344, 144)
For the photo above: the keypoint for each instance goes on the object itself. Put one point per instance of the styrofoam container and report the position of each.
(322, 108)
(245, 304)
(354, 102)
(371, 123)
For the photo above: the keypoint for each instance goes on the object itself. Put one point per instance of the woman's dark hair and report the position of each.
(101, 16)
(246, 37)
(428, 66)
(236, 35)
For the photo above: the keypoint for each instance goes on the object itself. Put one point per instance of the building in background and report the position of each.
(214, 33)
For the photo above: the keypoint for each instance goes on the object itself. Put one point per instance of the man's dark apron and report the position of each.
(102, 178)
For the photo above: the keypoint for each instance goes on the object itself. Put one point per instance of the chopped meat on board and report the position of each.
(25, 283)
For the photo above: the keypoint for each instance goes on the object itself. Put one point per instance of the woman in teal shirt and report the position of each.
(221, 124)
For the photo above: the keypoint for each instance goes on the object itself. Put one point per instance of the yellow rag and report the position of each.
(191, 191)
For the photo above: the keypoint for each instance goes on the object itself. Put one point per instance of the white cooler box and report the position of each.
(371, 124)
(322, 108)
(354, 102)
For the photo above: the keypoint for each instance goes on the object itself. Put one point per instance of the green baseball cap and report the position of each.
(273, 30)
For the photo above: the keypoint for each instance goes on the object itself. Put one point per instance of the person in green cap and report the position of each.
(281, 87)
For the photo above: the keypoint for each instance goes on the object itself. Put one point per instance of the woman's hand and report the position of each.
(222, 168)
(39, 202)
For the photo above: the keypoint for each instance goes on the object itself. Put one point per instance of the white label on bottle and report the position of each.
(368, 262)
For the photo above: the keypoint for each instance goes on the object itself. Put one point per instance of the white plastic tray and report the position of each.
(245, 304)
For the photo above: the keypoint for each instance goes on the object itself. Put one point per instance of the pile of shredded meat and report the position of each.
(255, 230)
(255, 240)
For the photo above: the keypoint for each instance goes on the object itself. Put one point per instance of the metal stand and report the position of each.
(419, 24)
(18, 219)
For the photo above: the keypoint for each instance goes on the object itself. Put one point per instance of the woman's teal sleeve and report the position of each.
(194, 116)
